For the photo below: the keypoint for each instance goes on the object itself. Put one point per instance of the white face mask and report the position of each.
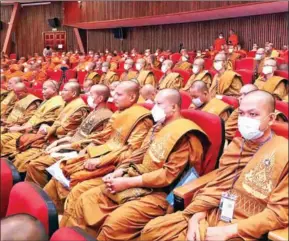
(184, 59)
(126, 66)
(258, 56)
(218, 65)
(132, 55)
(249, 128)
(199, 54)
(164, 69)
(125, 56)
(104, 69)
(231, 50)
(63, 62)
(267, 70)
(106, 51)
(25, 70)
(138, 66)
(147, 54)
(196, 69)
(161, 60)
(156, 54)
(86, 68)
(39, 61)
(197, 102)
(158, 114)
(220, 36)
(90, 102)
(1, 71)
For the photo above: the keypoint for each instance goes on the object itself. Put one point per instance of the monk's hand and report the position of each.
(193, 233)
(91, 164)
(82, 152)
(118, 184)
(51, 146)
(222, 233)
(117, 173)
(14, 128)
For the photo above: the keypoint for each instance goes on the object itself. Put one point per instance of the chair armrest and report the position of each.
(183, 195)
(279, 235)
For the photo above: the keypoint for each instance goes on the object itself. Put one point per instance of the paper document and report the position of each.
(57, 173)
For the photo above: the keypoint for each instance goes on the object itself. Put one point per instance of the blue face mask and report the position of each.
(197, 102)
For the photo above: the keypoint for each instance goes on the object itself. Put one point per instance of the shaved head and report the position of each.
(52, 84)
(73, 80)
(129, 61)
(19, 227)
(20, 86)
(220, 56)
(12, 82)
(260, 51)
(130, 87)
(172, 96)
(101, 90)
(148, 91)
(200, 85)
(199, 61)
(126, 94)
(91, 66)
(245, 90)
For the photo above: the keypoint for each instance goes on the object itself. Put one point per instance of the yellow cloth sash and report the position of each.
(120, 131)
(272, 83)
(226, 81)
(183, 65)
(3, 93)
(128, 76)
(200, 76)
(168, 80)
(8, 102)
(216, 106)
(20, 107)
(47, 106)
(91, 75)
(106, 78)
(143, 74)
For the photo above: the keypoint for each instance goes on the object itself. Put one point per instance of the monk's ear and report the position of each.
(272, 118)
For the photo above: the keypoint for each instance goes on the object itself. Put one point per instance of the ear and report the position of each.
(272, 118)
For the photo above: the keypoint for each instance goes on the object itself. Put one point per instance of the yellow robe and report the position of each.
(276, 85)
(94, 76)
(108, 78)
(3, 94)
(145, 77)
(229, 83)
(128, 75)
(204, 76)
(261, 189)
(173, 148)
(7, 104)
(183, 65)
(171, 80)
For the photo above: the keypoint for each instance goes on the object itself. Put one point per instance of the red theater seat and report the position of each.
(158, 74)
(186, 100)
(9, 177)
(208, 63)
(84, 98)
(27, 197)
(185, 75)
(80, 76)
(282, 73)
(119, 72)
(246, 63)
(247, 75)
(71, 74)
(230, 100)
(282, 107)
(280, 61)
(111, 106)
(213, 125)
(213, 72)
(71, 234)
(175, 57)
(55, 75)
(13, 56)
(251, 54)
(147, 105)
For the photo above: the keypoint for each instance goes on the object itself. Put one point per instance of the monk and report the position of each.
(112, 147)
(14, 71)
(91, 74)
(108, 76)
(201, 100)
(199, 73)
(233, 38)
(8, 102)
(259, 61)
(87, 86)
(66, 124)
(183, 63)
(144, 76)
(82, 64)
(136, 191)
(169, 79)
(40, 75)
(219, 42)
(270, 51)
(253, 172)
(47, 112)
(232, 56)
(225, 82)
(148, 93)
(55, 59)
(63, 64)
(276, 85)
(29, 74)
(128, 73)
(48, 65)
(24, 108)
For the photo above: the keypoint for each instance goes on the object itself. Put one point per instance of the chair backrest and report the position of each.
(247, 75)
(251, 54)
(80, 76)
(230, 100)
(175, 57)
(186, 100)
(282, 73)
(214, 127)
(111, 106)
(185, 75)
(213, 72)
(71, 234)
(84, 98)
(9, 177)
(70, 74)
(119, 72)
(208, 63)
(245, 63)
(121, 65)
(54, 74)
(13, 56)
(282, 107)
(280, 61)
(147, 105)
(158, 74)
(26, 197)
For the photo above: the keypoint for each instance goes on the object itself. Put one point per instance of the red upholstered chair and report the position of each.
(213, 72)
(147, 105)
(251, 54)
(158, 74)
(230, 100)
(280, 61)
(282, 73)
(9, 177)
(213, 125)
(185, 75)
(111, 106)
(73, 65)
(247, 75)
(282, 107)
(246, 63)
(71, 234)
(37, 92)
(26, 197)
(175, 57)
(84, 98)
(208, 63)
(192, 56)
(119, 72)
(281, 129)
(121, 65)
(71, 74)
(13, 56)
(186, 100)
(80, 76)
(55, 75)
(99, 72)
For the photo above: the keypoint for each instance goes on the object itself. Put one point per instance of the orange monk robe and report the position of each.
(171, 80)
(234, 39)
(204, 75)
(115, 58)
(184, 65)
(146, 77)
(128, 75)
(40, 77)
(58, 192)
(3, 93)
(108, 78)
(261, 190)
(228, 83)
(218, 43)
(276, 85)
(159, 169)
(7, 104)
(56, 60)
(14, 71)
(231, 60)
(48, 66)
(73, 59)
(28, 76)
(113, 66)
(285, 98)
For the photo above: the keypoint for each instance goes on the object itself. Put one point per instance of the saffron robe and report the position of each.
(108, 78)
(184, 65)
(145, 77)
(7, 104)
(128, 75)
(204, 76)
(171, 80)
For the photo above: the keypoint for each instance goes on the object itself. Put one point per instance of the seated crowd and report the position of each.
(122, 144)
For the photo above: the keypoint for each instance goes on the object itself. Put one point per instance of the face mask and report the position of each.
(156, 54)
(25, 70)
(220, 36)
(90, 102)
(258, 56)
(125, 55)
(231, 50)
(161, 60)
(158, 114)
(218, 66)
(63, 62)
(147, 54)
(249, 128)
(86, 68)
(106, 51)
(138, 66)
(126, 66)
(184, 59)
(197, 102)
(199, 54)
(196, 69)
(267, 70)
(104, 69)
(132, 55)
(1, 71)
(39, 61)
(164, 69)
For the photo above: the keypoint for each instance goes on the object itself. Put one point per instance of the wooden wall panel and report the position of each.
(199, 35)
(5, 12)
(109, 10)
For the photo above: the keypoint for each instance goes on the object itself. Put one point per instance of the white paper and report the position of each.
(65, 155)
(57, 173)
